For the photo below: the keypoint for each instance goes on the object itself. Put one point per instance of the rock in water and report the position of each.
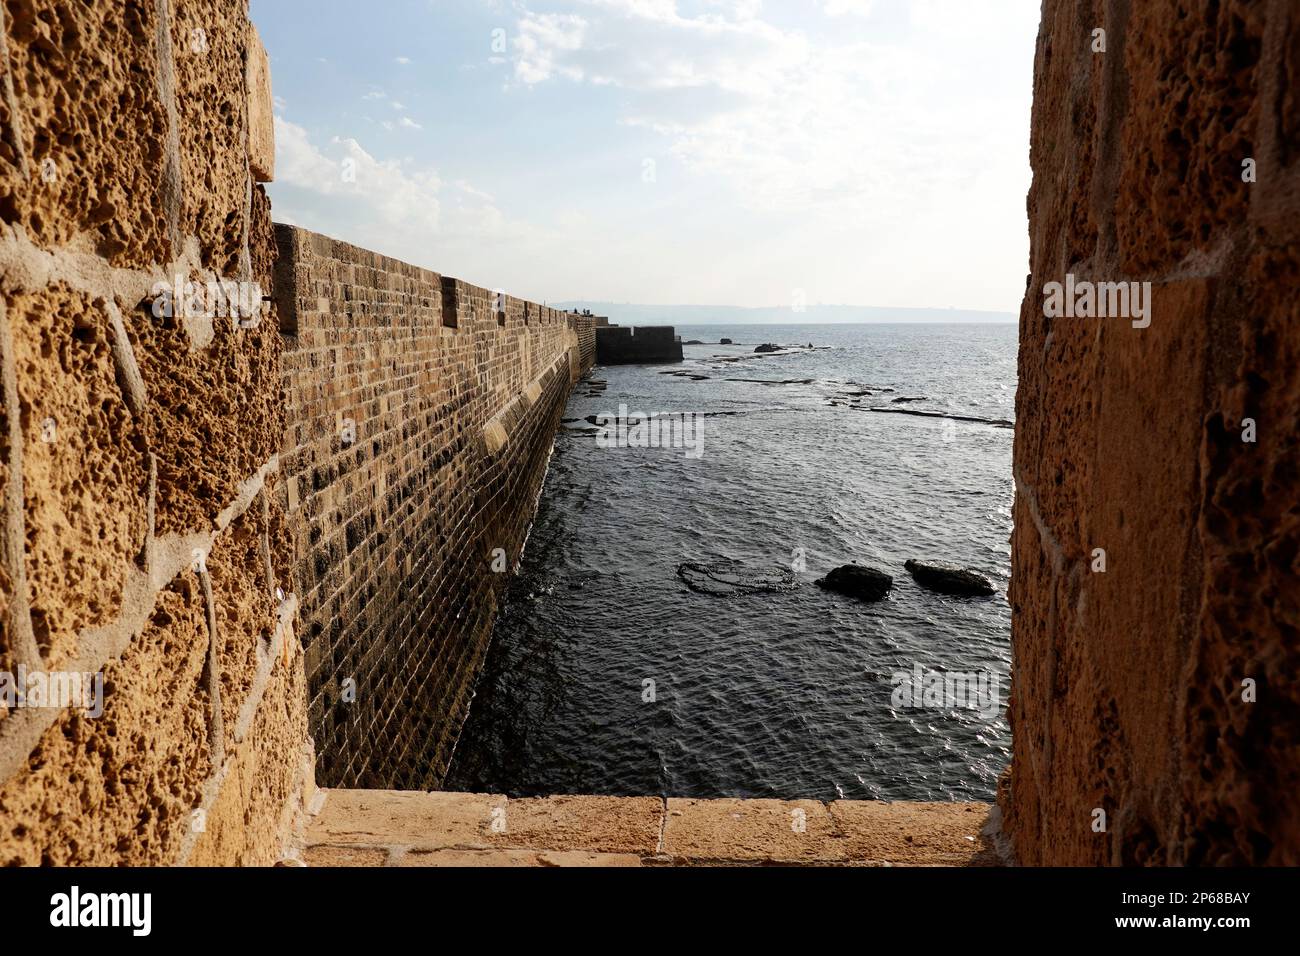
(866, 584)
(945, 580)
(724, 341)
(768, 347)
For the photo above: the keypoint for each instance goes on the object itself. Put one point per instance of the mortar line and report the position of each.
(216, 725)
(14, 541)
(172, 182)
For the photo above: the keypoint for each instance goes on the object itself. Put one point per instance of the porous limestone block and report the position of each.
(1186, 130)
(912, 833)
(497, 858)
(209, 42)
(215, 413)
(92, 128)
(85, 474)
(246, 612)
(261, 119)
(587, 823)
(406, 818)
(248, 825)
(750, 831)
(262, 251)
(120, 789)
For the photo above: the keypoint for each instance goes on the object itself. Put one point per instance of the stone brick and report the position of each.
(248, 823)
(215, 415)
(494, 858)
(600, 824)
(209, 45)
(85, 476)
(410, 818)
(261, 118)
(121, 788)
(245, 612)
(912, 834)
(91, 157)
(344, 856)
(750, 831)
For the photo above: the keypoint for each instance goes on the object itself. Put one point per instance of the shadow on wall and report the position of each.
(1155, 609)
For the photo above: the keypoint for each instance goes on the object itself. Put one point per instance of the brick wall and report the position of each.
(143, 535)
(419, 424)
(1129, 692)
(585, 326)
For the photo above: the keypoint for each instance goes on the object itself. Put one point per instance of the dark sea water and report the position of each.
(785, 692)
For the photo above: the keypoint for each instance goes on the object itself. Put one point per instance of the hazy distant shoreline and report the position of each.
(634, 314)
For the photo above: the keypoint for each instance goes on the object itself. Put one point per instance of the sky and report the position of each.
(716, 152)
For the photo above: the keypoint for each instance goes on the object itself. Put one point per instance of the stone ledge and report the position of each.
(414, 828)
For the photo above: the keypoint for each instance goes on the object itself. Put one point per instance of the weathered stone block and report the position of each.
(912, 834)
(249, 821)
(410, 818)
(749, 831)
(121, 789)
(215, 413)
(599, 824)
(85, 474)
(209, 46)
(91, 158)
(261, 115)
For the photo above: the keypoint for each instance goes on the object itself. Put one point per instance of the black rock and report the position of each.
(724, 341)
(946, 580)
(867, 584)
(693, 342)
(768, 347)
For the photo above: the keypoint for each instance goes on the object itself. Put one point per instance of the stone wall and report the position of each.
(144, 537)
(1172, 448)
(420, 424)
(585, 326)
(623, 345)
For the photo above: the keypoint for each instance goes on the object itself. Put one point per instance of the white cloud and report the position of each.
(408, 123)
(343, 190)
(403, 60)
(542, 40)
(797, 119)
(836, 8)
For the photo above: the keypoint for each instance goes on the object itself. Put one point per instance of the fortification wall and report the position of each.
(585, 326)
(1172, 448)
(420, 423)
(144, 534)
